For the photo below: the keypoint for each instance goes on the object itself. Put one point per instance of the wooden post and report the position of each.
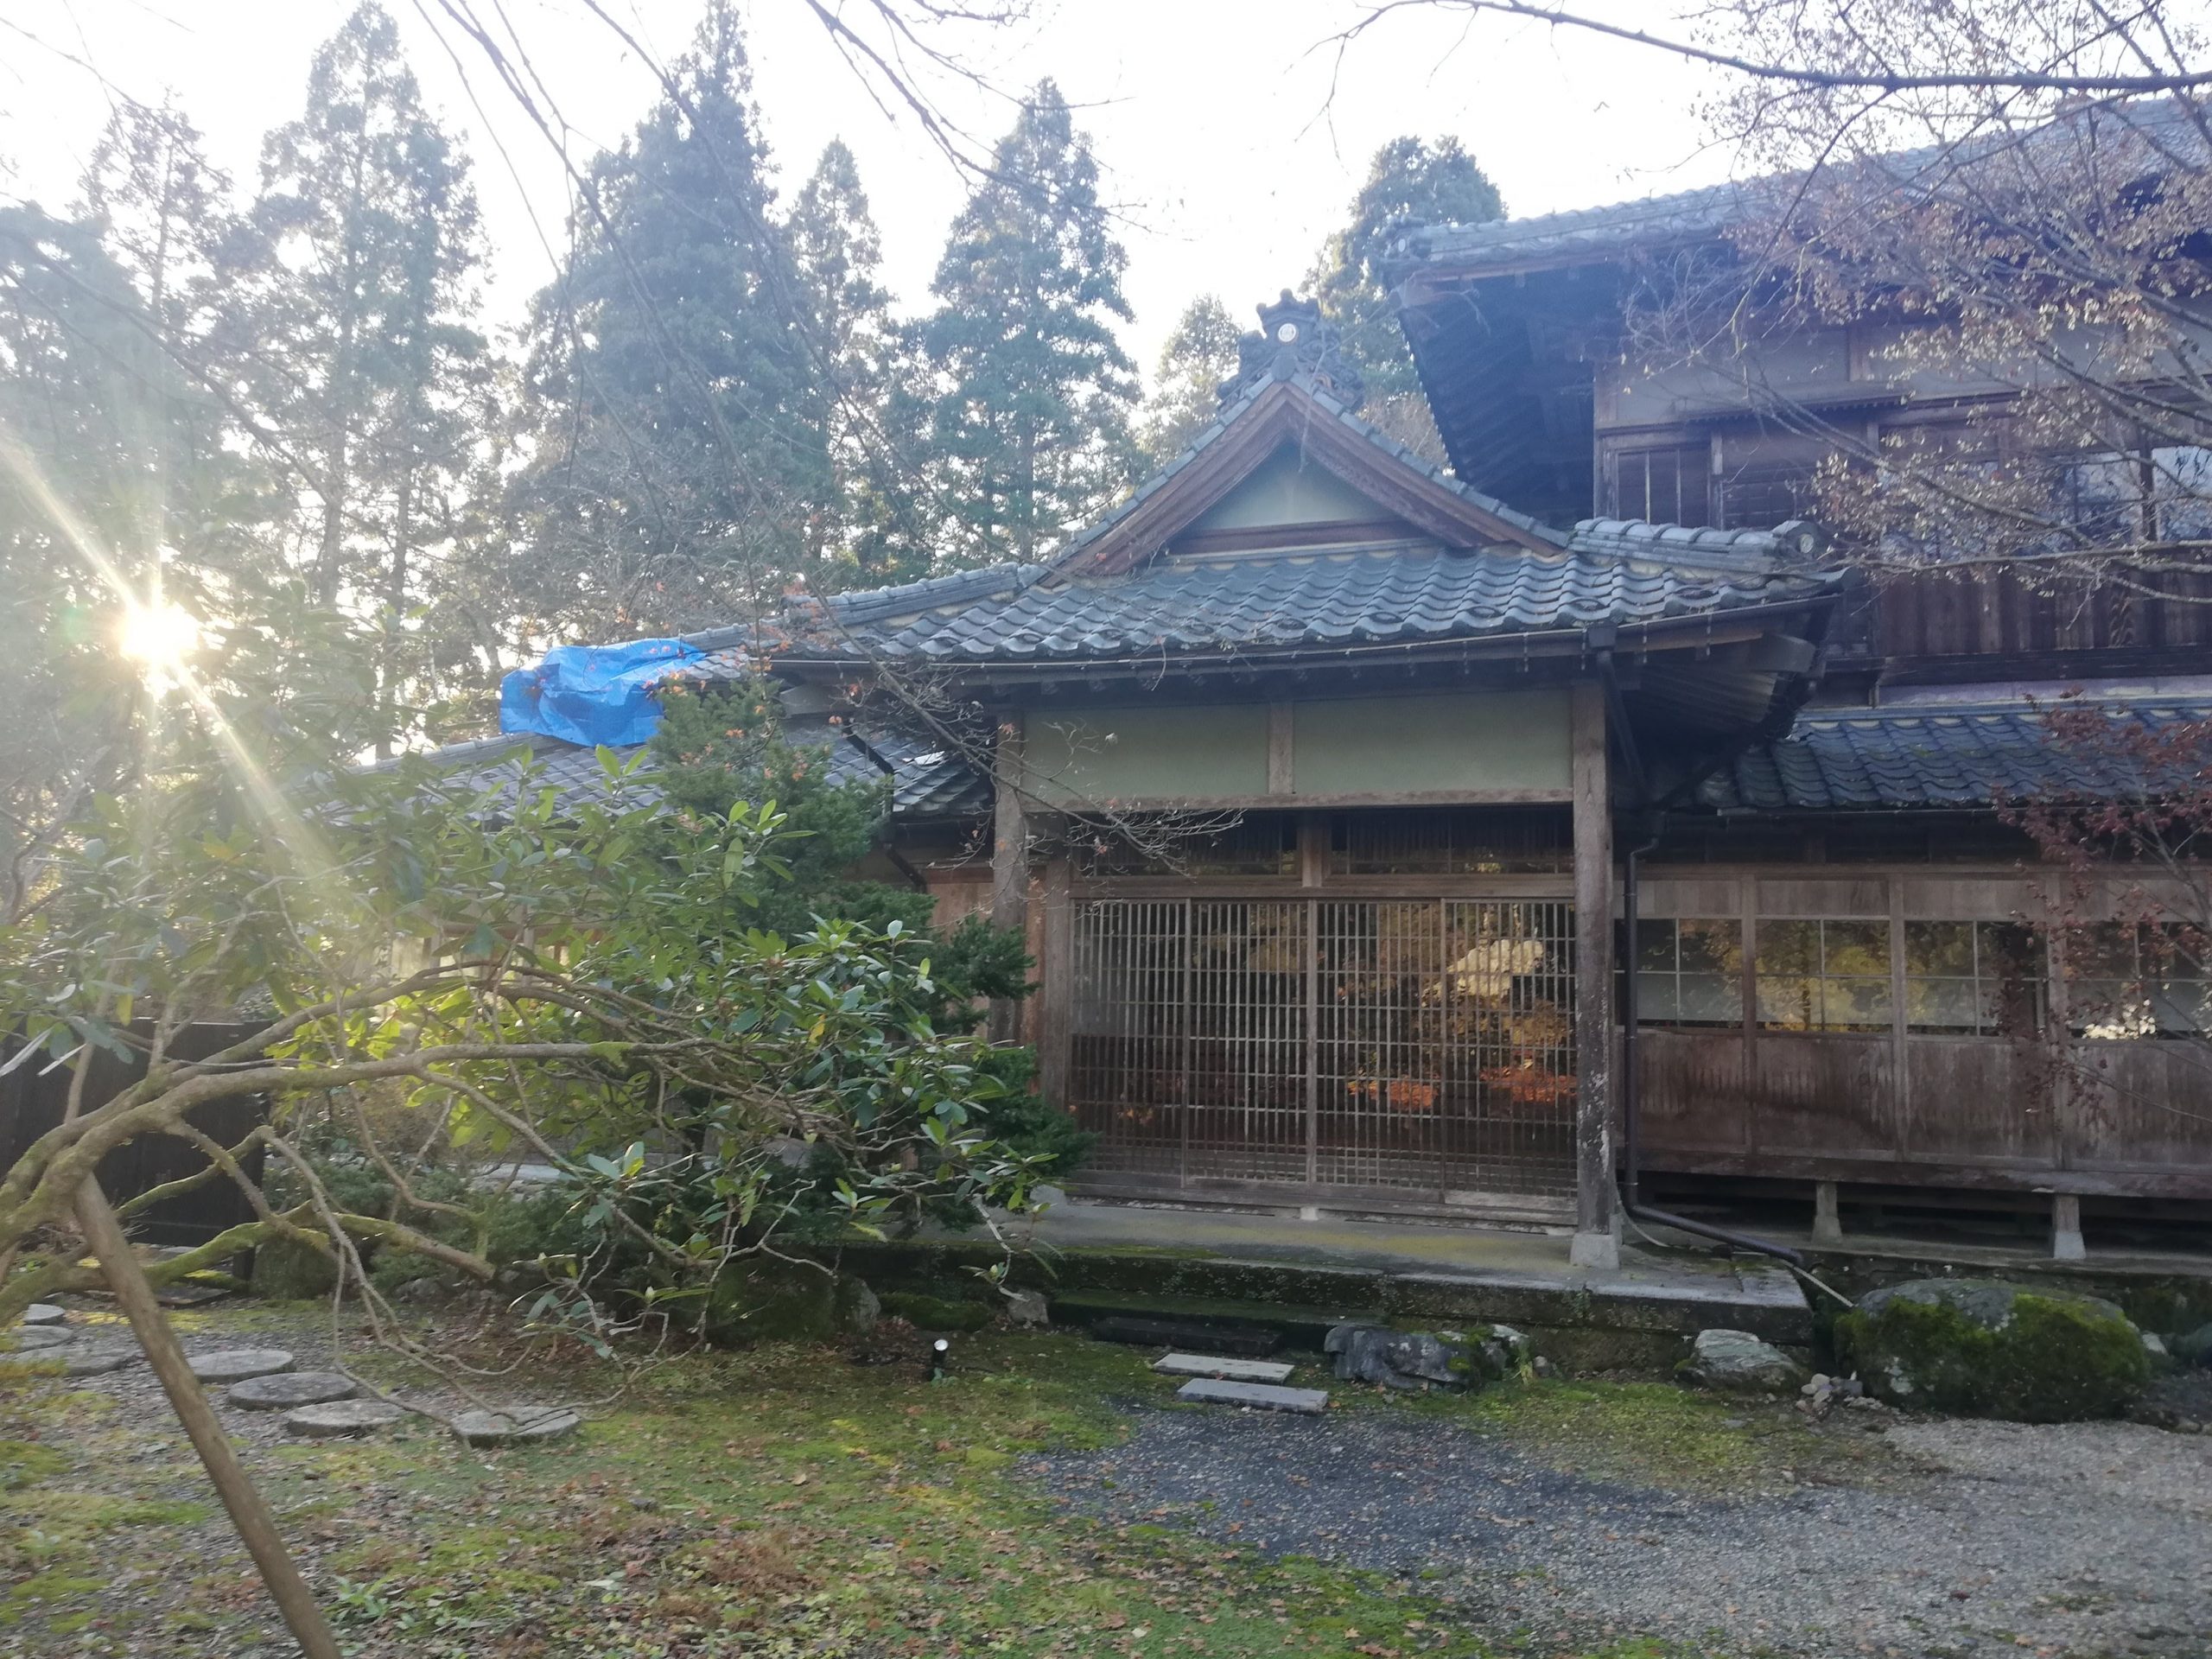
(1009, 863)
(249, 1512)
(1597, 1221)
(1056, 987)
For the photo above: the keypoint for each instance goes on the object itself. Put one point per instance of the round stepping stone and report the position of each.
(96, 1361)
(513, 1427)
(236, 1365)
(342, 1417)
(282, 1390)
(45, 1314)
(36, 1339)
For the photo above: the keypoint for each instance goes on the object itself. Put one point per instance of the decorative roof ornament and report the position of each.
(1294, 339)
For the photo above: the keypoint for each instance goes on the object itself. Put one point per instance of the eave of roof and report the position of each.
(1324, 607)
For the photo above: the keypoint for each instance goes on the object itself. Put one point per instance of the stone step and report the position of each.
(1200, 1324)
(1261, 1396)
(1221, 1365)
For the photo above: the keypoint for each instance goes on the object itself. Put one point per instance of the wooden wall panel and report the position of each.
(1977, 1099)
(1828, 1092)
(1693, 1092)
(2143, 1105)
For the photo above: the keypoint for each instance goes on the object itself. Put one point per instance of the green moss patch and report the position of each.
(1984, 1349)
(1657, 1434)
(935, 1312)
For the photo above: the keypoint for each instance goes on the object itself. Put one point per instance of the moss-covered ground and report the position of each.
(780, 1501)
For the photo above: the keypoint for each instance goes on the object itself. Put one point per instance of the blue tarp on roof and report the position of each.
(592, 693)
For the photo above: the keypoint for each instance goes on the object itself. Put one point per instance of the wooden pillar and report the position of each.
(1009, 862)
(1596, 1219)
(1056, 981)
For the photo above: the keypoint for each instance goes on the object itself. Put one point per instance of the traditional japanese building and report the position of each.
(1390, 849)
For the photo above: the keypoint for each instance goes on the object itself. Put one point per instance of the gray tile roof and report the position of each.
(1274, 601)
(2163, 131)
(1577, 232)
(1932, 757)
(926, 782)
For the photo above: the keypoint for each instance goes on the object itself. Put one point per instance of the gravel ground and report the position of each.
(1976, 1538)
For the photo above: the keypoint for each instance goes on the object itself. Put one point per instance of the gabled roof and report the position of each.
(1942, 756)
(1251, 427)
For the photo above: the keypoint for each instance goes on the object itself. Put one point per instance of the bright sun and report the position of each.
(159, 636)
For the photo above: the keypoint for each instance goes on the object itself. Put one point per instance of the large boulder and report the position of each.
(1737, 1362)
(1981, 1347)
(2193, 1347)
(766, 1299)
(1426, 1359)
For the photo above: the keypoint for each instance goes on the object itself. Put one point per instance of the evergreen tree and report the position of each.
(1032, 426)
(673, 391)
(1410, 179)
(864, 530)
(164, 216)
(1185, 390)
(365, 244)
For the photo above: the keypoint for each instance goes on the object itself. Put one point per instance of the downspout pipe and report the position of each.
(1629, 1090)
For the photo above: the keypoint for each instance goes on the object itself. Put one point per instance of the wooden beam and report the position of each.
(1597, 1222)
(1009, 862)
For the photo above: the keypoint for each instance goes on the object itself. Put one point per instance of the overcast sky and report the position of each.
(1225, 151)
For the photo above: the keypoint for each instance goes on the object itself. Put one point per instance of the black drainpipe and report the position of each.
(1631, 1151)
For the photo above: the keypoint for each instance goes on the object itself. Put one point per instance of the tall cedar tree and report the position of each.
(1409, 180)
(1187, 385)
(863, 532)
(361, 352)
(679, 451)
(1032, 425)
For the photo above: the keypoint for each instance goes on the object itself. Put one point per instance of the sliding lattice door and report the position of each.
(1420, 1045)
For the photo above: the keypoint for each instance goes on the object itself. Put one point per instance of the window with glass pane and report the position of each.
(2126, 979)
(1974, 978)
(1668, 486)
(1823, 975)
(1689, 972)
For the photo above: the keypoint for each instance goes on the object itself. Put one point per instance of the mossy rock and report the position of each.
(1981, 1347)
(935, 1312)
(765, 1300)
(286, 1270)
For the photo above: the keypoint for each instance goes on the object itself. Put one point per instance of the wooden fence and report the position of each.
(33, 1099)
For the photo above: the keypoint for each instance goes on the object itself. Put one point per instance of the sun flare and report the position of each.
(159, 636)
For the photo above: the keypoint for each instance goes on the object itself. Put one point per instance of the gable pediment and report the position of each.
(1287, 459)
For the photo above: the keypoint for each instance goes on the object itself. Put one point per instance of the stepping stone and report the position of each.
(45, 1314)
(96, 1361)
(1212, 1391)
(35, 1338)
(513, 1427)
(236, 1365)
(338, 1417)
(282, 1390)
(1234, 1370)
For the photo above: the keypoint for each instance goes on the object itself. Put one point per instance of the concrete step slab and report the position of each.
(1224, 1366)
(1261, 1396)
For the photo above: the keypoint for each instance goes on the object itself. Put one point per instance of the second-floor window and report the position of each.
(1668, 484)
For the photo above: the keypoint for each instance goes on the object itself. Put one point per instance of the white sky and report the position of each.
(1224, 150)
